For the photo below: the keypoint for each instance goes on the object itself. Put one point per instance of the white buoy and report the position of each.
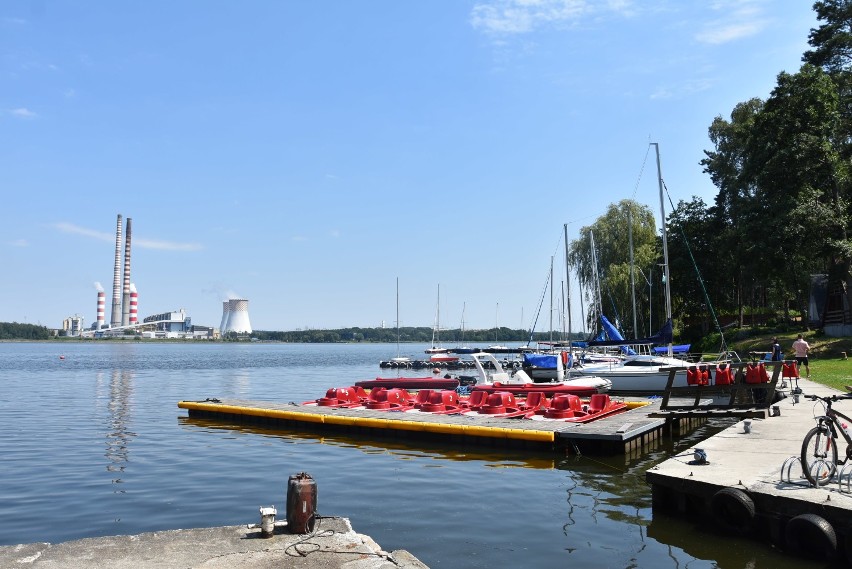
(267, 521)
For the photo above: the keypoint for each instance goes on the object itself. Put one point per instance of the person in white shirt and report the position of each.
(800, 348)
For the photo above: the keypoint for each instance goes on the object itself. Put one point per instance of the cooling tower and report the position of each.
(134, 304)
(238, 318)
(125, 299)
(226, 311)
(115, 317)
(101, 307)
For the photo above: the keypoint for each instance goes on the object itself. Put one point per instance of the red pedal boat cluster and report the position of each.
(497, 404)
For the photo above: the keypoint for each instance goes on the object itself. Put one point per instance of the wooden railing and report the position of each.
(738, 399)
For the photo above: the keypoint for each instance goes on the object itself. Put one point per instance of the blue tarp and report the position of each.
(664, 336)
(540, 361)
(681, 349)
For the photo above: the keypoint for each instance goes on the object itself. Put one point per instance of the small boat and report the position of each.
(519, 382)
(443, 357)
(410, 383)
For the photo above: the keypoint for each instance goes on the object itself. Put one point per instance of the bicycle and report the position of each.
(819, 447)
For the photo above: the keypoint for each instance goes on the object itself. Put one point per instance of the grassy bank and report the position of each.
(830, 358)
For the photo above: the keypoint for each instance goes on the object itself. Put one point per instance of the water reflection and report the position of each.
(119, 406)
(396, 448)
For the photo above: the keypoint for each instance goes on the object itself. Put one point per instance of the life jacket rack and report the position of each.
(727, 389)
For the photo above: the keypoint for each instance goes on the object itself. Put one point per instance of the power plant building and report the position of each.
(124, 318)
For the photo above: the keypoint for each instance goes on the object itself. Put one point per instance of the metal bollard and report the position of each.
(267, 521)
(747, 426)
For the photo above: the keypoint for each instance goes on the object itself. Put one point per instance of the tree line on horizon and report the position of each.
(18, 331)
(783, 211)
(411, 334)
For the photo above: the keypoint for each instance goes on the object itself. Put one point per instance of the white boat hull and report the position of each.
(625, 377)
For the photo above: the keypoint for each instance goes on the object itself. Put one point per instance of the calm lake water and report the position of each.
(94, 444)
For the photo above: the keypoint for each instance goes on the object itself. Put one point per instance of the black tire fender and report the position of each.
(811, 536)
(733, 510)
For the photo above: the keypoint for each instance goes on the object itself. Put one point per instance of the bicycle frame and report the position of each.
(830, 420)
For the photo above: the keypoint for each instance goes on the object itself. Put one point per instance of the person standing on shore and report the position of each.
(801, 348)
(776, 350)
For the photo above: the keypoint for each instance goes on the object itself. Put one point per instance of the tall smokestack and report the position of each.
(134, 304)
(125, 300)
(100, 321)
(115, 317)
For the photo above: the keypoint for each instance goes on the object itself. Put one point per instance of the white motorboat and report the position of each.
(497, 379)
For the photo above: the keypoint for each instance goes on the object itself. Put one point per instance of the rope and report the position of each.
(724, 346)
(293, 549)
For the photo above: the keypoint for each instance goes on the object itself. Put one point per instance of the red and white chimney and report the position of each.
(101, 322)
(134, 304)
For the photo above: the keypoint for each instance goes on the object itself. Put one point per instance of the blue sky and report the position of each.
(305, 155)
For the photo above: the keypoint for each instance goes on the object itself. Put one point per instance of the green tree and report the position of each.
(612, 248)
(801, 184)
(832, 40)
(732, 216)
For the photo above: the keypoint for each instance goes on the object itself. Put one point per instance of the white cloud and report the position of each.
(137, 242)
(23, 113)
(504, 17)
(77, 230)
(19, 243)
(166, 245)
(522, 16)
(683, 89)
(298, 238)
(738, 19)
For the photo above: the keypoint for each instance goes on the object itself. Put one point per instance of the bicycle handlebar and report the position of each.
(828, 398)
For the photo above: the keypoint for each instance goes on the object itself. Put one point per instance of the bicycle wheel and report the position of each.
(819, 456)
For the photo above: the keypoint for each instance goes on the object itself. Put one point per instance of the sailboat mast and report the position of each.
(438, 319)
(397, 317)
(598, 301)
(551, 299)
(567, 281)
(632, 270)
(665, 244)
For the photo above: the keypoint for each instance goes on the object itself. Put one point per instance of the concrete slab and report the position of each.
(754, 462)
(333, 544)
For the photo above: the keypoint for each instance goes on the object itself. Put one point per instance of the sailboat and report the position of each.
(462, 349)
(497, 348)
(641, 370)
(438, 353)
(436, 347)
(399, 361)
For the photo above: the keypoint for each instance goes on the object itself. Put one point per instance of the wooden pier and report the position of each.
(625, 432)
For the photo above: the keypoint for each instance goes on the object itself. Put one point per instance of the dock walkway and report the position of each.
(619, 433)
(745, 489)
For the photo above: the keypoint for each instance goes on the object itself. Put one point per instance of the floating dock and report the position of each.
(620, 433)
(752, 484)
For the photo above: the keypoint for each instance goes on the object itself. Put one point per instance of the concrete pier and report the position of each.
(333, 544)
(752, 481)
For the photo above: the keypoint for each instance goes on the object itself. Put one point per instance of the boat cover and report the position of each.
(664, 336)
(540, 361)
(680, 349)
